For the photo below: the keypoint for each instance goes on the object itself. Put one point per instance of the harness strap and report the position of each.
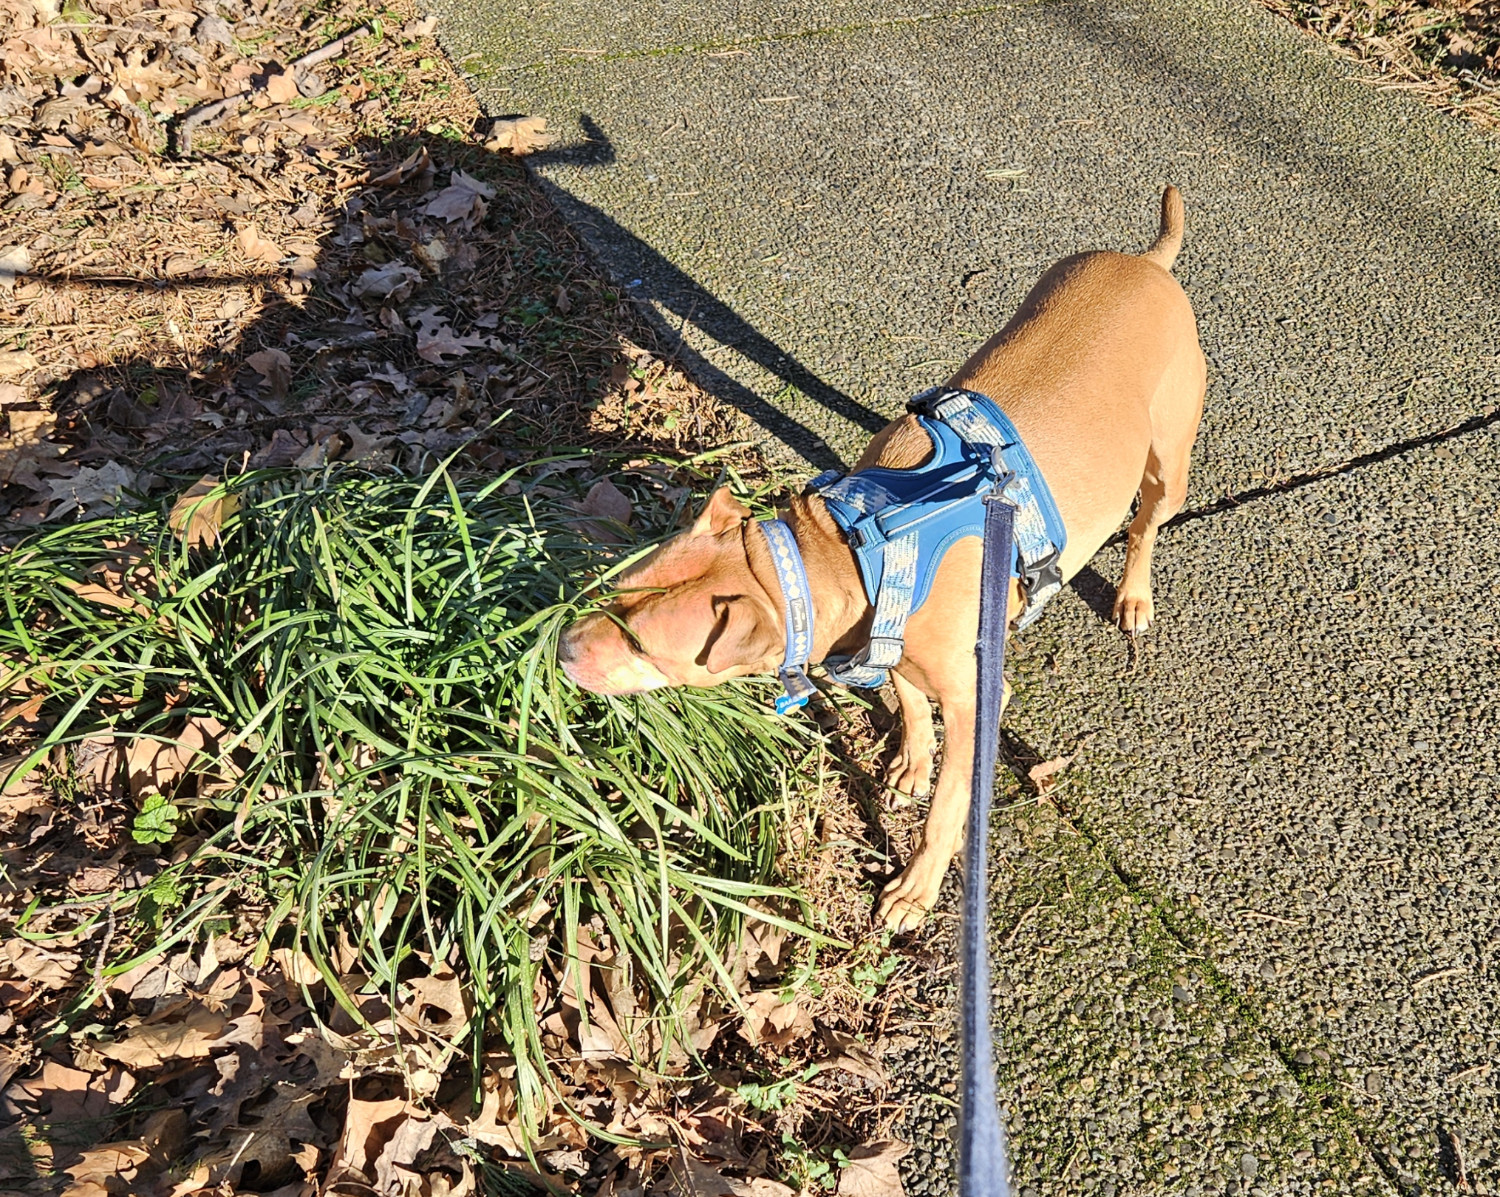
(1038, 527)
(983, 1159)
(898, 589)
(797, 606)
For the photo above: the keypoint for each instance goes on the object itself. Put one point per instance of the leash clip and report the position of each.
(1004, 476)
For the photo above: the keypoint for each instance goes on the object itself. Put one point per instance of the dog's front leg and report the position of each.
(910, 774)
(907, 899)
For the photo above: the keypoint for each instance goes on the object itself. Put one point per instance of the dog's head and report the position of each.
(690, 614)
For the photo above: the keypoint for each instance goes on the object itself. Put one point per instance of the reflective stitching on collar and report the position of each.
(797, 612)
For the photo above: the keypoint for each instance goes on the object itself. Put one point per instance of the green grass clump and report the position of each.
(400, 760)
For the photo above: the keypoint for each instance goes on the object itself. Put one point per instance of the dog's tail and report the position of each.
(1164, 249)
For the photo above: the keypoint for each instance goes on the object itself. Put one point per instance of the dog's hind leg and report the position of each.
(1175, 413)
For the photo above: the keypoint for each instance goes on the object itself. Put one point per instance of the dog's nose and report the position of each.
(566, 654)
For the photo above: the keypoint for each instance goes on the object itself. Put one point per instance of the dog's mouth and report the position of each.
(606, 668)
(632, 678)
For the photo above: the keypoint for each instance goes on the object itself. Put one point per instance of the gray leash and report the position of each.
(983, 1158)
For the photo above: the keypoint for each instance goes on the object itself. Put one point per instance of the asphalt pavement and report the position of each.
(1251, 945)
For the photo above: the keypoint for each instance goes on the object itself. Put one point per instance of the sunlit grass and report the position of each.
(402, 769)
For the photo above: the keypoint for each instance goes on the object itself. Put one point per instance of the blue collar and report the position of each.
(797, 612)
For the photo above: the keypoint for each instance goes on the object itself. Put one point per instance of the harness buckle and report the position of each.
(866, 533)
(1004, 476)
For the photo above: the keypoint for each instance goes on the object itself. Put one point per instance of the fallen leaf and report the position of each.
(174, 1034)
(201, 510)
(436, 340)
(368, 1127)
(519, 135)
(872, 1171)
(606, 501)
(394, 281)
(50, 970)
(275, 366)
(282, 87)
(410, 166)
(461, 200)
(773, 1022)
(154, 766)
(1044, 775)
(68, 1094)
(256, 247)
(852, 1056)
(15, 260)
(16, 361)
(691, 1177)
(362, 446)
(91, 488)
(285, 448)
(92, 592)
(29, 448)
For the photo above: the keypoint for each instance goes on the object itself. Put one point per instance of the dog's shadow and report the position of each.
(1096, 591)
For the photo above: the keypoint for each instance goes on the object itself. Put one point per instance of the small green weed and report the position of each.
(812, 1168)
(157, 821)
(774, 1095)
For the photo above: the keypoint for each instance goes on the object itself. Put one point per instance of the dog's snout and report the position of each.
(567, 651)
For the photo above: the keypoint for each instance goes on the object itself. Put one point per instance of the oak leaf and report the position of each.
(520, 135)
(872, 1171)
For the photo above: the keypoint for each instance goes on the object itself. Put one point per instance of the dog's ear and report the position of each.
(741, 635)
(721, 513)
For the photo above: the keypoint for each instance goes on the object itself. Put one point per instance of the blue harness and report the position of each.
(901, 523)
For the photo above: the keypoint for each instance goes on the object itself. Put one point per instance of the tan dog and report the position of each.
(1100, 371)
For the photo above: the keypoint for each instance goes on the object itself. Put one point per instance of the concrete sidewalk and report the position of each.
(1257, 947)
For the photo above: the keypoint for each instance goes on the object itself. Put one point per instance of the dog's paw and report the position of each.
(1134, 612)
(904, 902)
(910, 774)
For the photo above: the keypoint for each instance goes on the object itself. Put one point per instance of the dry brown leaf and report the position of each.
(773, 1022)
(368, 1127)
(411, 166)
(436, 340)
(852, 1056)
(462, 200)
(15, 260)
(29, 449)
(297, 966)
(48, 969)
(606, 501)
(872, 1171)
(282, 87)
(175, 1034)
(16, 361)
(91, 488)
(692, 1177)
(68, 1094)
(201, 510)
(1044, 775)
(436, 1006)
(519, 135)
(393, 282)
(156, 765)
(275, 366)
(255, 247)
